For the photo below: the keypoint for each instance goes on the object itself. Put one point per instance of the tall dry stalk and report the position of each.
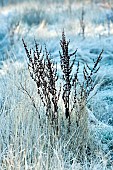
(82, 23)
(44, 72)
(82, 91)
(66, 66)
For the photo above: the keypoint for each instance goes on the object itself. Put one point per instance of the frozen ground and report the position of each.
(45, 22)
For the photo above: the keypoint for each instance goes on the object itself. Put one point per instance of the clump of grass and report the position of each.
(74, 92)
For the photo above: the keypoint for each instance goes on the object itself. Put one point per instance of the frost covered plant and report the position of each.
(66, 67)
(82, 91)
(44, 72)
(75, 93)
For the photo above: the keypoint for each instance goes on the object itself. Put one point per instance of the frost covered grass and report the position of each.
(25, 140)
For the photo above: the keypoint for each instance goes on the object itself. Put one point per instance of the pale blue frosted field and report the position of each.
(21, 138)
